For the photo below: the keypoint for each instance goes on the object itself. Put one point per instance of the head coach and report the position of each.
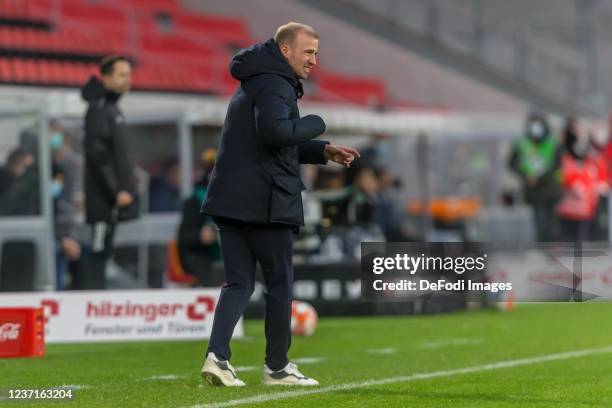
(254, 195)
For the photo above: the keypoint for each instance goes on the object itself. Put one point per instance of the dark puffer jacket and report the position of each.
(107, 167)
(256, 178)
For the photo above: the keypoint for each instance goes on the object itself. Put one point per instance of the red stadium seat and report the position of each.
(229, 31)
(6, 71)
(353, 89)
(28, 10)
(168, 6)
(191, 56)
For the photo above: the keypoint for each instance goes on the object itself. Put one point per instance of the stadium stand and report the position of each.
(47, 43)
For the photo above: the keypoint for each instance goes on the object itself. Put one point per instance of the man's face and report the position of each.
(21, 165)
(302, 53)
(120, 79)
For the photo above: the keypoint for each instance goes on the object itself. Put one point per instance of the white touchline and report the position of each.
(405, 378)
(246, 368)
(307, 360)
(303, 360)
(165, 377)
(74, 386)
(449, 342)
(388, 350)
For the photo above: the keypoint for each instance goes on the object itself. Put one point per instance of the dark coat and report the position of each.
(107, 167)
(256, 178)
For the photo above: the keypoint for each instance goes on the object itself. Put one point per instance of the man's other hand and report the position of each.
(208, 235)
(124, 199)
(341, 154)
(71, 248)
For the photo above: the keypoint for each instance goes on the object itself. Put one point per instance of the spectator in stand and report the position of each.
(17, 162)
(389, 207)
(364, 201)
(598, 137)
(69, 162)
(20, 188)
(578, 203)
(68, 249)
(207, 159)
(164, 189)
(535, 158)
(198, 240)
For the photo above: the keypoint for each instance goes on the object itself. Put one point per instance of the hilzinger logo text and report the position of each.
(195, 311)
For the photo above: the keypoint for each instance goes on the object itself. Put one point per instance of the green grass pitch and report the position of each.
(399, 355)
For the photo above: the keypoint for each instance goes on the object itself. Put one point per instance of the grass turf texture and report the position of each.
(118, 374)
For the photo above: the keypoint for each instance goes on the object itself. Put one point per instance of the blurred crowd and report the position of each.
(565, 177)
(343, 206)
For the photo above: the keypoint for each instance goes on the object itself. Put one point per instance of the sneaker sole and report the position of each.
(212, 379)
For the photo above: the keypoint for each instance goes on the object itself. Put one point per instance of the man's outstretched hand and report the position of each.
(341, 154)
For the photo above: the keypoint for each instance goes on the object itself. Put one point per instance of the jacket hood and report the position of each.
(94, 89)
(263, 58)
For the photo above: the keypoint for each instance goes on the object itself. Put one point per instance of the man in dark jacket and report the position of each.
(254, 194)
(109, 179)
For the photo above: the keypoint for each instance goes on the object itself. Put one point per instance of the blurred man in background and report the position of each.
(536, 158)
(68, 249)
(109, 179)
(198, 241)
(17, 162)
(164, 189)
(70, 163)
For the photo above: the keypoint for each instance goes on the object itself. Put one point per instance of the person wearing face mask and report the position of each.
(71, 163)
(578, 204)
(68, 249)
(536, 158)
(598, 138)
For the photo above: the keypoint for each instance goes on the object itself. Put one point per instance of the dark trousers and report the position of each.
(242, 246)
(575, 231)
(101, 250)
(545, 222)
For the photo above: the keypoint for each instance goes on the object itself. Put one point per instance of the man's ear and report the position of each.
(284, 48)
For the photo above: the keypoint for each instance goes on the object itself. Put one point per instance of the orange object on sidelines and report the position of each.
(22, 332)
(176, 273)
(447, 209)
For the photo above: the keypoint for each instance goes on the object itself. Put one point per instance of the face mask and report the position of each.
(600, 137)
(581, 146)
(56, 140)
(384, 151)
(536, 130)
(56, 188)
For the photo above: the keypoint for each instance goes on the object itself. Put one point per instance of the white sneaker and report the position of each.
(290, 375)
(218, 372)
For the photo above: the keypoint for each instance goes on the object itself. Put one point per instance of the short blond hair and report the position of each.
(287, 33)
